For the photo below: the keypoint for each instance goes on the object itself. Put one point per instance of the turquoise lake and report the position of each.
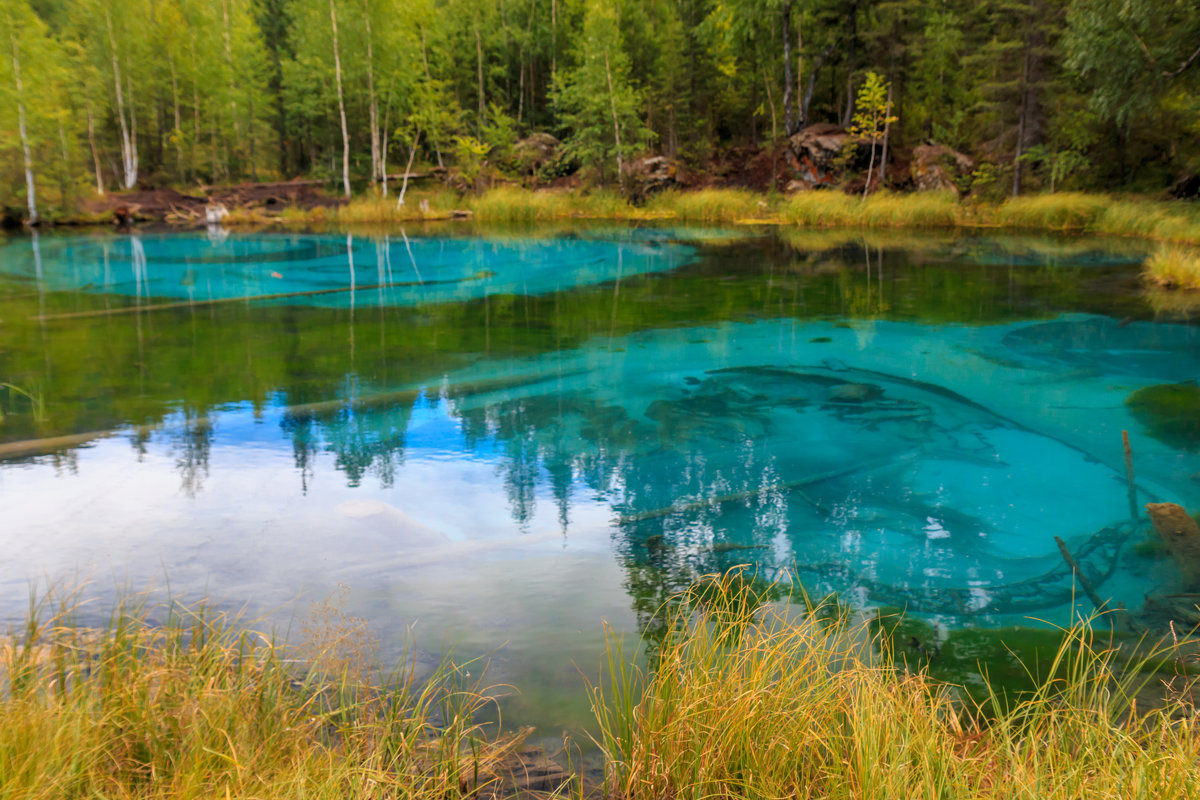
(494, 441)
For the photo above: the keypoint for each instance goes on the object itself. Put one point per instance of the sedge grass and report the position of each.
(802, 706)
(511, 204)
(507, 204)
(376, 208)
(825, 209)
(709, 205)
(1175, 267)
(1073, 212)
(197, 707)
(1062, 211)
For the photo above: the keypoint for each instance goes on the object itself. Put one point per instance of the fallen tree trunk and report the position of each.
(1181, 535)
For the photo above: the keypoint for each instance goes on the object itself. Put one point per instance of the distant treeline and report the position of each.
(97, 95)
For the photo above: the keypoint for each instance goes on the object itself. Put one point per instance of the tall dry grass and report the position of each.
(195, 706)
(769, 704)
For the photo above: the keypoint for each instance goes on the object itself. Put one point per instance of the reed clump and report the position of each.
(775, 704)
(1174, 267)
(1171, 222)
(710, 205)
(513, 204)
(197, 707)
(1061, 211)
(821, 209)
(375, 208)
(918, 210)
(825, 209)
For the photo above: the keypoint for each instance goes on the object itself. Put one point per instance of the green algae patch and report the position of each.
(1170, 412)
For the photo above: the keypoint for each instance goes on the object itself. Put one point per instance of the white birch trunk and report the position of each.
(233, 112)
(479, 64)
(612, 101)
(95, 152)
(337, 71)
(133, 149)
(30, 193)
(383, 144)
(178, 133)
(195, 107)
(412, 154)
(433, 139)
(128, 144)
(373, 105)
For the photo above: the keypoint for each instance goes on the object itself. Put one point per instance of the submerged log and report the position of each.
(1181, 535)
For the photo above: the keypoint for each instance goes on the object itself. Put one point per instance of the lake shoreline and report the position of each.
(1175, 225)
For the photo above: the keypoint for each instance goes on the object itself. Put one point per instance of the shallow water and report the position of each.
(496, 440)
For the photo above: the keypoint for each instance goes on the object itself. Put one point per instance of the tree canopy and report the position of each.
(97, 95)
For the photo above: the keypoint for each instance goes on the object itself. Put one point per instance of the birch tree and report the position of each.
(597, 100)
(33, 101)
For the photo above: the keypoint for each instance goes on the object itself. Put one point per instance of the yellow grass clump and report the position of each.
(709, 205)
(512, 204)
(1058, 211)
(1175, 267)
(823, 209)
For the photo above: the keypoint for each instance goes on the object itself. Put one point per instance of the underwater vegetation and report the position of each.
(1170, 413)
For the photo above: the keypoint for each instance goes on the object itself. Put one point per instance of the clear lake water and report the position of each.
(491, 441)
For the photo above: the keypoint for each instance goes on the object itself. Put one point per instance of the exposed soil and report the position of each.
(169, 205)
(747, 168)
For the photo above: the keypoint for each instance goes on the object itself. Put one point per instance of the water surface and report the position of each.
(498, 439)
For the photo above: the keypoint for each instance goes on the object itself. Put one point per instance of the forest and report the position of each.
(99, 96)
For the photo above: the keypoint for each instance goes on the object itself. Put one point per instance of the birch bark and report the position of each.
(30, 193)
(337, 71)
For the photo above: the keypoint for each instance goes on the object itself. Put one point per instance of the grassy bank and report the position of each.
(1064, 212)
(742, 701)
(1175, 225)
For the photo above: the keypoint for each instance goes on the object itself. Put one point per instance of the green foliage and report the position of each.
(1133, 51)
(871, 109)
(184, 92)
(597, 101)
(500, 134)
(471, 155)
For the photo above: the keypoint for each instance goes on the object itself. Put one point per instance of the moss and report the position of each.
(1170, 412)
(1150, 548)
